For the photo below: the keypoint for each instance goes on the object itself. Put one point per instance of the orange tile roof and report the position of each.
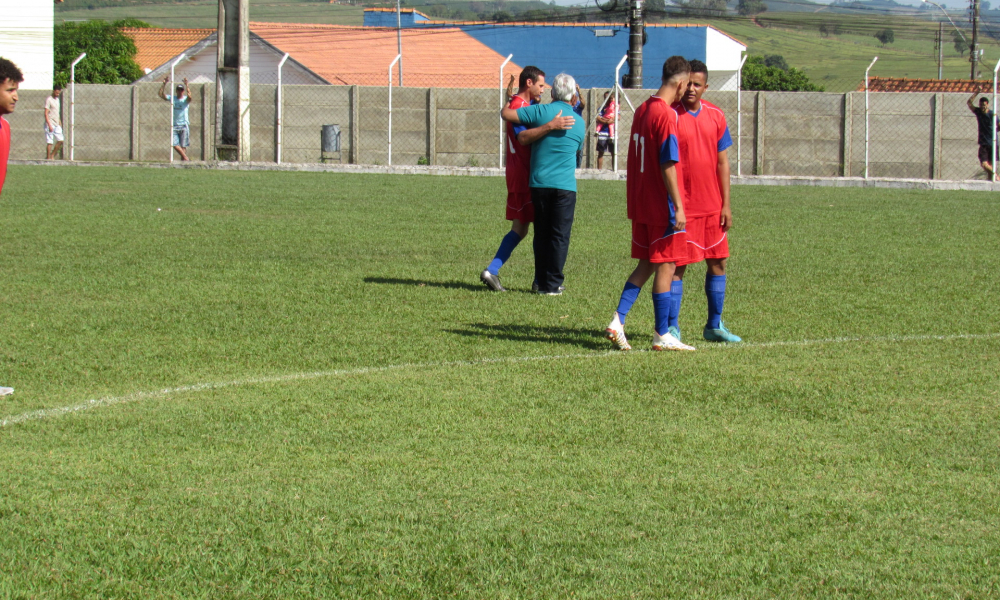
(348, 55)
(156, 46)
(901, 84)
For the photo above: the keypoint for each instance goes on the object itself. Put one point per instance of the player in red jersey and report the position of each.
(704, 139)
(520, 210)
(10, 79)
(655, 206)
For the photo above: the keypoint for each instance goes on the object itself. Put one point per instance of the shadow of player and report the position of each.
(586, 338)
(453, 285)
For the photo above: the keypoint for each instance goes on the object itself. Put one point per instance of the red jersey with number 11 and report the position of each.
(652, 143)
(518, 156)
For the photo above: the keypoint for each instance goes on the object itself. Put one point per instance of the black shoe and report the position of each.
(491, 281)
(534, 287)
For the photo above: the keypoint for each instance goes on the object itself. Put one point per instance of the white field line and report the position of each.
(48, 413)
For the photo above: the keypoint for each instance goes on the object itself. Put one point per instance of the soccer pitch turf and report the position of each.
(295, 386)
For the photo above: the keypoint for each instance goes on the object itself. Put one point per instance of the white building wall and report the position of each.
(201, 67)
(26, 39)
(722, 56)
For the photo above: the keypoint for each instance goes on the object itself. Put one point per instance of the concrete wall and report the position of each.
(27, 137)
(795, 134)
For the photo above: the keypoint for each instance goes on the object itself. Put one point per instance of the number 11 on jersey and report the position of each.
(640, 141)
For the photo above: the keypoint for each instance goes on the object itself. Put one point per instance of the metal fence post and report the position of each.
(993, 157)
(617, 110)
(277, 113)
(739, 117)
(72, 105)
(391, 65)
(866, 114)
(503, 123)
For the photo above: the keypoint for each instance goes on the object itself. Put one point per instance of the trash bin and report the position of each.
(330, 143)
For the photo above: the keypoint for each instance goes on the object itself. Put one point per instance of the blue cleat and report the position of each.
(721, 335)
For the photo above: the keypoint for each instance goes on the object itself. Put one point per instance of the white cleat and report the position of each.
(6, 390)
(616, 333)
(669, 342)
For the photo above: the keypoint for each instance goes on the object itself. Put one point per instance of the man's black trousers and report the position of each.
(553, 222)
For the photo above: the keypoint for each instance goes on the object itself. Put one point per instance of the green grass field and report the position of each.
(302, 390)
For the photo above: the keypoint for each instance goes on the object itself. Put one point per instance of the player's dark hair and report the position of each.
(529, 72)
(982, 100)
(9, 70)
(699, 67)
(56, 87)
(674, 66)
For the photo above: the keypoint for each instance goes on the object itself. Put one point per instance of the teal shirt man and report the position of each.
(553, 157)
(180, 109)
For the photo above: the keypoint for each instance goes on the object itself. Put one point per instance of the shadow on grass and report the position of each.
(453, 285)
(586, 338)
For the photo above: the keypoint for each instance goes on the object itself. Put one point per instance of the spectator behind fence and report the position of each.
(984, 118)
(53, 124)
(181, 100)
(605, 128)
(578, 107)
(10, 79)
(552, 181)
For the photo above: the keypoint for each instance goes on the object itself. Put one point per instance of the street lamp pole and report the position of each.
(973, 56)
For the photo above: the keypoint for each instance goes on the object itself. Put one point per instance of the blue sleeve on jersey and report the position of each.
(670, 151)
(725, 141)
(518, 129)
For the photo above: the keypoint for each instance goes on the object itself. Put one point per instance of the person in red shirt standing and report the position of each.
(10, 79)
(520, 210)
(704, 139)
(655, 206)
(606, 128)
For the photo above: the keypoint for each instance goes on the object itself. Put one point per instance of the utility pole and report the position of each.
(232, 82)
(636, 29)
(940, 47)
(974, 52)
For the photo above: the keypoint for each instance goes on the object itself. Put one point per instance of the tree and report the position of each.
(961, 45)
(777, 61)
(886, 36)
(704, 8)
(749, 8)
(110, 53)
(654, 7)
(758, 76)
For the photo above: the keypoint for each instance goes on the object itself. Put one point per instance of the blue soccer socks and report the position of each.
(510, 241)
(661, 311)
(677, 290)
(715, 290)
(629, 295)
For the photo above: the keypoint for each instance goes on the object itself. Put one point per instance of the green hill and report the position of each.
(832, 47)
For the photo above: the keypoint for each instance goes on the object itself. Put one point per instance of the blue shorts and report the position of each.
(182, 136)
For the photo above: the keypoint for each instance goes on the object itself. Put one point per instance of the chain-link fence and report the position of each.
(812, 134)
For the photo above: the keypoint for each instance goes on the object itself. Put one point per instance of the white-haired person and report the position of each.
(552, 181)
